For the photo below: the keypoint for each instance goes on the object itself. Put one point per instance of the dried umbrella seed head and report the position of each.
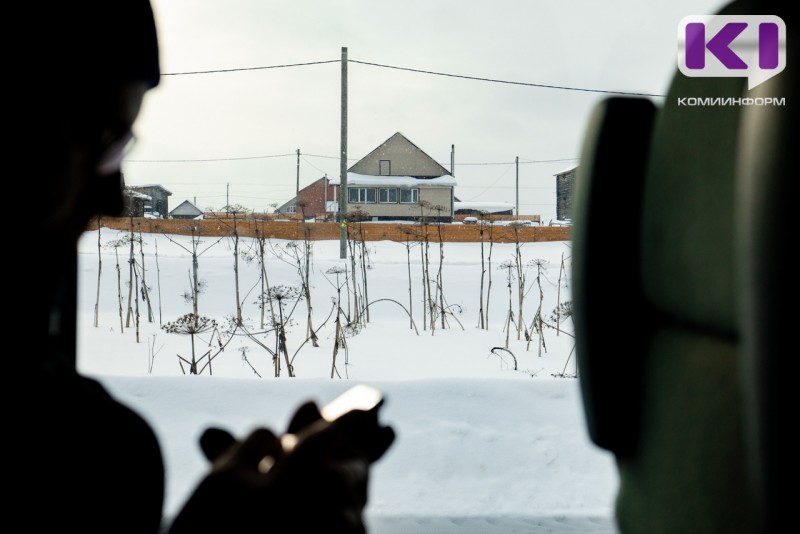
(187, 325)
(281, 293)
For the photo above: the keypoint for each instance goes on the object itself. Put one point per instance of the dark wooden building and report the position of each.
(134, 202)
(159, 198)
(565, 182)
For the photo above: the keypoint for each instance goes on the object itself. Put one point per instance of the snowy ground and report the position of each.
(481, 447)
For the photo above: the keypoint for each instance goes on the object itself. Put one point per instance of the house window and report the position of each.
(385, 167)
(387, 195)
(409, 196)
(291, 209)
(361, 195)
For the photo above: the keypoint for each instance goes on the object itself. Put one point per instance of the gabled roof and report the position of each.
(445, 180)
(186, 208)
(565, 171)
(289, 203)
(314, 182)
(292, 201)
(152, 186)
(398, 148)
(135, 194)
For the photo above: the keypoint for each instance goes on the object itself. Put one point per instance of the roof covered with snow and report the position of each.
(152, 186)
(566, 170)
(397, 181)
(186, 208)
(136, 194)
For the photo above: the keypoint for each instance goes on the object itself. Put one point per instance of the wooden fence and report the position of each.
(371, 231)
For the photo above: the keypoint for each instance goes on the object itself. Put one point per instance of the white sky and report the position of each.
(480, 447)
(623, 45)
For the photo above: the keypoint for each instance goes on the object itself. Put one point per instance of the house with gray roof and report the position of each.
(186, 210)
(399, 181)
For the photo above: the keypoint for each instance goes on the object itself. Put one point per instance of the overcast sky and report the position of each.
(622, 45)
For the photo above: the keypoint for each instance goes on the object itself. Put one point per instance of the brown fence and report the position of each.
(533, 218)
(295, 230)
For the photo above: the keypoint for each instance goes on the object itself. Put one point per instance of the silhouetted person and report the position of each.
(79, 460)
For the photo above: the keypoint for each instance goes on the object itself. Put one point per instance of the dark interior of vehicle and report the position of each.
(690, 408)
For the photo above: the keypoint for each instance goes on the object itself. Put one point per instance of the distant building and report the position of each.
(159, 198)
(487, 208)
(135, 203)
(315, 200)
(397, 180)
(565, 181)
(289, 206)
(186, 210)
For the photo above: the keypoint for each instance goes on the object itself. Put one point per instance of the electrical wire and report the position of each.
(190, 160)
(418, 71)
(510, 82)
(241, 69)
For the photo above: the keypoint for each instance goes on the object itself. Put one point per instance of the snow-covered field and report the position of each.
(482, 446)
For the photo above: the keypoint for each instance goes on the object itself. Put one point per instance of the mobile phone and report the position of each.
(359, 397)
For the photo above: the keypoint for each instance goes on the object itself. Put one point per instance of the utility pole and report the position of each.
(517, 187)
(297, 187)
(343, 164)
(227, 200)
(453, 174)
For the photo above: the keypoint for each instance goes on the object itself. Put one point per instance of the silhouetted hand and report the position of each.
(315, 481)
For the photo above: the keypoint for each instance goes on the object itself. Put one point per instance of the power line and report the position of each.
(240, 192)
(205, 160)
(240, 69)
(419, 71)
(243, 158)
(547, 188)
(320, 156)
(302, 156)
(548, 160)
(189, 160)
(493, 80)
(491, 186)
(521, 162)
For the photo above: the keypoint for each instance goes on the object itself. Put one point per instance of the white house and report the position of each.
(398, 181)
